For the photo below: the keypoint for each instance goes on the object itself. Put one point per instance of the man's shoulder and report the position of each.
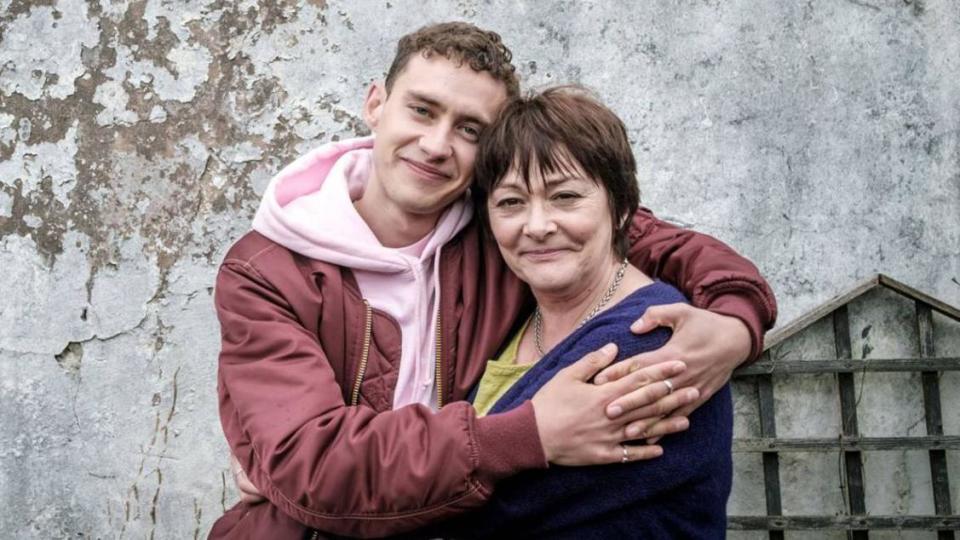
(249, 248)
(257, 254)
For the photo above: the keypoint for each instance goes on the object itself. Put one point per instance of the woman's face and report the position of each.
(556, 235)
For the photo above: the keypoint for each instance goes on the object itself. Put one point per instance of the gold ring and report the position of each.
(669, 386)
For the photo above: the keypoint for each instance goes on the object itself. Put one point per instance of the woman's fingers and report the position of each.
(643, 387)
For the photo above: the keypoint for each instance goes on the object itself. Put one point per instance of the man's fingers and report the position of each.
(250, 498)
(616, 371)
(664, 406)
(248, 492)
(625, 453)
(687, 409)
(652, 429)
(585, 368)
(629, 365)
(244, 483)
(665, 315)
(635, 390)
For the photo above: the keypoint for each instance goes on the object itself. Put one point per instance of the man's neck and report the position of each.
(393, 227)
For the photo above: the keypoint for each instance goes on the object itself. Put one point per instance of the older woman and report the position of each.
(557, 180)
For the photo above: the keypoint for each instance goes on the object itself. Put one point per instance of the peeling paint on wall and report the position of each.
(822, 139)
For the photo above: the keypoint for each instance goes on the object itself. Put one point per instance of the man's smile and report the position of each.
(426, 171)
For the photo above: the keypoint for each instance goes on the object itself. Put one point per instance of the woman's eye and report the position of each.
(510, 202)
(566, 196)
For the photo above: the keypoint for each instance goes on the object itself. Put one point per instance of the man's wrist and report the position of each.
(508, 443)
(740, 307)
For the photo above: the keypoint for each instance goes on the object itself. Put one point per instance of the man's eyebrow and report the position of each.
(420, 96)
(413, 94)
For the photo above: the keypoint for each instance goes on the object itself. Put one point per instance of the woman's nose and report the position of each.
(540, 223)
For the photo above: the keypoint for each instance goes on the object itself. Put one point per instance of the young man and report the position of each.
(361, 310)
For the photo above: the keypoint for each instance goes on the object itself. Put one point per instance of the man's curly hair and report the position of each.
(461, 43)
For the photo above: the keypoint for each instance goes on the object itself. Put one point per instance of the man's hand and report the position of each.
(248, 492)
(580, 423)
(711, 346)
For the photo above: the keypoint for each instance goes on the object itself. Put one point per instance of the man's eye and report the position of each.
(471, 132)
(420, 110)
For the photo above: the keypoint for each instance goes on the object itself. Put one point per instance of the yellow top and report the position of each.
(501, 373)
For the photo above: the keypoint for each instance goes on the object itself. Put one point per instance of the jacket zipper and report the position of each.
(438, 363)
(364, 357)
(364, 353)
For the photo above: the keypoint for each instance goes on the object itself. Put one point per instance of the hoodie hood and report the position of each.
(308, 208)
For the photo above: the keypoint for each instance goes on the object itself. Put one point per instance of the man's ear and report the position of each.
(373, 105)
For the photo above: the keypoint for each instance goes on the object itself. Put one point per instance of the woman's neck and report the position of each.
(566, 308)
(561, 314)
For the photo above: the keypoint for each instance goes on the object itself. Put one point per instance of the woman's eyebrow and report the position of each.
(556, 180)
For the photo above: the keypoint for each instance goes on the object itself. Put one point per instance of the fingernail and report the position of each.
(615, 411)
(609, 348)
(633, 431)
(635, 327)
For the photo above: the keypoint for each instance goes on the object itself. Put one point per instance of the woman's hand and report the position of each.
(572, 413)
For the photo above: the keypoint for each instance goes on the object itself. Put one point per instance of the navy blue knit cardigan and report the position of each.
(682, 494)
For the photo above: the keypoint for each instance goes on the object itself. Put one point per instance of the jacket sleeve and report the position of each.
(711, 274)
(344, 469)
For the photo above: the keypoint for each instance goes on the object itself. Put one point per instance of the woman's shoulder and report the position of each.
(652, 294)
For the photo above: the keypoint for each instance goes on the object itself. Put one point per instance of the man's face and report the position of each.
(426, 132)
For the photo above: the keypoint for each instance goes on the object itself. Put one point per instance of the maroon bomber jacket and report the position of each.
(307, 372)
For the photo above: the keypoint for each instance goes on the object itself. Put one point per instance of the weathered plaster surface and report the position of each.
(821, 138)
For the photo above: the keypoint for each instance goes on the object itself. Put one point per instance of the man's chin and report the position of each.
(427, 204)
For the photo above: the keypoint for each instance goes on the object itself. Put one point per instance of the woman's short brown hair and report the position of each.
(547, 129)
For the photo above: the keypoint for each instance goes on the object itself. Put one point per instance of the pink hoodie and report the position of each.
(308, 208)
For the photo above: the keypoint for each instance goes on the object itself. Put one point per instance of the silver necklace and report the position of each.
(538, 317)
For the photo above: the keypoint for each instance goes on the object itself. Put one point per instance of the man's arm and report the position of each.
(732, 306)
(710, 273)
(336, 467)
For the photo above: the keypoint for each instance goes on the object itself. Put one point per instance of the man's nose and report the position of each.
(435, 142)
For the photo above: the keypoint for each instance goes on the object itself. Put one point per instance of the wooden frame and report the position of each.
(857, 522)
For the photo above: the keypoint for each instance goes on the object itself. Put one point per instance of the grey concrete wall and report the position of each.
(821, 138)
